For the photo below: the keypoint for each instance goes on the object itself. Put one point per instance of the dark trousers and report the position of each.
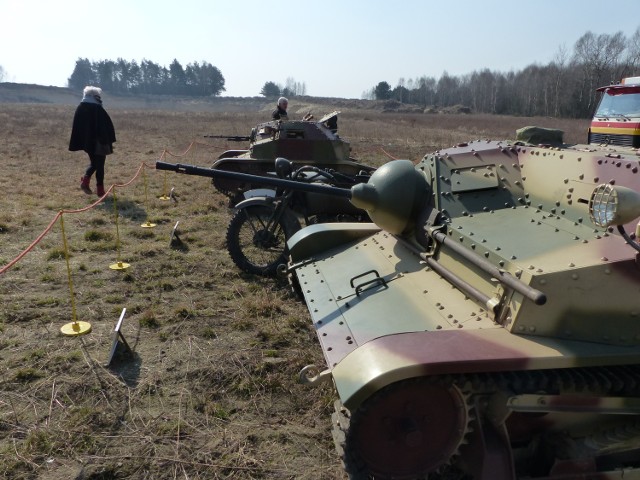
(97, 166)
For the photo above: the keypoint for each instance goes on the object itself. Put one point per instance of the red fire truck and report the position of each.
(617, 118)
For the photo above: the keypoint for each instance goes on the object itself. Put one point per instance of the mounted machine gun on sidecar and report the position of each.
(267, 217)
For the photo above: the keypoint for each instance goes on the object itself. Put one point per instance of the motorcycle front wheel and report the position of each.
(257, 243)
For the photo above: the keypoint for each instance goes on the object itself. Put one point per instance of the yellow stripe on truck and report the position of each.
(616, 131)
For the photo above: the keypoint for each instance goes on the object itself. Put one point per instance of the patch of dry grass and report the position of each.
(211, 390)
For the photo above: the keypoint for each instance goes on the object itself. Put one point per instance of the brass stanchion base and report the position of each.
(119, 266)
(74, 329)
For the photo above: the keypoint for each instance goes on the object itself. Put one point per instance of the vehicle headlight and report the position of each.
(612, 205)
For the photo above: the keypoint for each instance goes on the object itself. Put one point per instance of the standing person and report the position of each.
(92, 132)
(280, 113)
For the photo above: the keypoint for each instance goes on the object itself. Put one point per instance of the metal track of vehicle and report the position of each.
(620, 381)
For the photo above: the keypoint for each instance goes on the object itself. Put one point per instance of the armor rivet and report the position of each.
(574, 276)
(543, 281)
(607, 271)
(604, 259)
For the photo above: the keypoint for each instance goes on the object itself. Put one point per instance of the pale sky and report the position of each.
(337, 48)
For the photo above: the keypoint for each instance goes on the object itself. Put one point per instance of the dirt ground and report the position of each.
(210, 388)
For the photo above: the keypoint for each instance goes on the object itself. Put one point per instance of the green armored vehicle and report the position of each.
(487, 325)
(314, 143)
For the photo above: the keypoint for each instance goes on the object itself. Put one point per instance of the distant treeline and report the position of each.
(563, 88)
(122, 76)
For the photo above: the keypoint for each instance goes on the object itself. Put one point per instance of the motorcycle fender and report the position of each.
(293, 225)
(250, 202)
(259, 192)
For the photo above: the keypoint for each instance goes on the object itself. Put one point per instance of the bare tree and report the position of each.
(294, 88)
(633, 51)
(600, 58)
(3, 73)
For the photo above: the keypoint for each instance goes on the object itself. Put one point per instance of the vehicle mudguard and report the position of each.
(288, 216)
(324, 236)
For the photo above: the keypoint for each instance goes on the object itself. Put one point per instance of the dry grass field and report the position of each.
(211, 390)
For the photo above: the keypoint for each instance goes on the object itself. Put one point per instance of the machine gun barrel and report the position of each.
(268, 181)
(231, 138)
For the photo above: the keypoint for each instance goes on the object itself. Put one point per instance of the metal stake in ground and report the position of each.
(119, 265)
(74, 328)
(164, 189)
(146, 224)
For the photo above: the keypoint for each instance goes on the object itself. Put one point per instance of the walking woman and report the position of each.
(94, 133)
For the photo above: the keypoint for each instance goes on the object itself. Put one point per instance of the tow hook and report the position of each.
(309, 375)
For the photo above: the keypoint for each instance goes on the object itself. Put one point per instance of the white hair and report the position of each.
(282, 100)
(92, 91)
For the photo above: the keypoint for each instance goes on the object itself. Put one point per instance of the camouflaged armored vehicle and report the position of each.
(314, 143)
(487, 325)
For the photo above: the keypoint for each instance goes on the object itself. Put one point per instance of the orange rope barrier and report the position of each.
(165, 152)
(388, 154)
(79, 210)
(33, 244)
